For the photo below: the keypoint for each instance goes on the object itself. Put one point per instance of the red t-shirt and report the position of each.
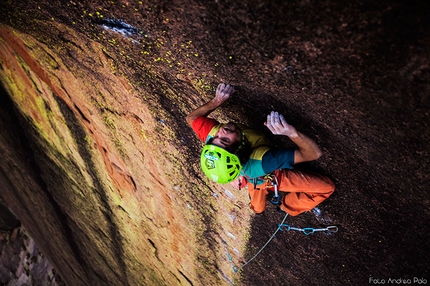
(202, 125)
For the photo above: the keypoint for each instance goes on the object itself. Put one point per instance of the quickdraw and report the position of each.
(306, 231)
(276, 199)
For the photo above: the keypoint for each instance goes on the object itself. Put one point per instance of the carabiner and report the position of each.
(276, 200)
(308, 230)
(332, 229)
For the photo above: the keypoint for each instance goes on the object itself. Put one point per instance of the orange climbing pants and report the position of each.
(305, 190)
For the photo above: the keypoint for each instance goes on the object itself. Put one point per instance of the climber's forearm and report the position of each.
(203, 110)
(307, 149)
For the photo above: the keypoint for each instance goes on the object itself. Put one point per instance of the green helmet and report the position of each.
(219, 165)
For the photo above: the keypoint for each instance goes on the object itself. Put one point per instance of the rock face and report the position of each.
(8, 221)
(102, 171)
(94, 175)
(22, 263)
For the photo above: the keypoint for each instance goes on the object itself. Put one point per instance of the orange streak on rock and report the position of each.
(116, 169)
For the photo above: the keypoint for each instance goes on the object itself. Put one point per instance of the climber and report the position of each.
(234, 153)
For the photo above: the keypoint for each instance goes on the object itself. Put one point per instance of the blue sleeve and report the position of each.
(275, 159)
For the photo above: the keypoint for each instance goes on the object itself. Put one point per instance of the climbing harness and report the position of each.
(306, 231)
(271, 181)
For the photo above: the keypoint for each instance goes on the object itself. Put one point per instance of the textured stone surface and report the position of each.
(84, 153)
(22, 263)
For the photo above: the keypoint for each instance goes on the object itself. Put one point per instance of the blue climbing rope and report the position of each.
(236, 269)
(306, 231)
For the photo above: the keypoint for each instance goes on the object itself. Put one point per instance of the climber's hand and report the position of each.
(223, 92)
(279, 126)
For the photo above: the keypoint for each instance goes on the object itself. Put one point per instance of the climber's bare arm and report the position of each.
(223, 92)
